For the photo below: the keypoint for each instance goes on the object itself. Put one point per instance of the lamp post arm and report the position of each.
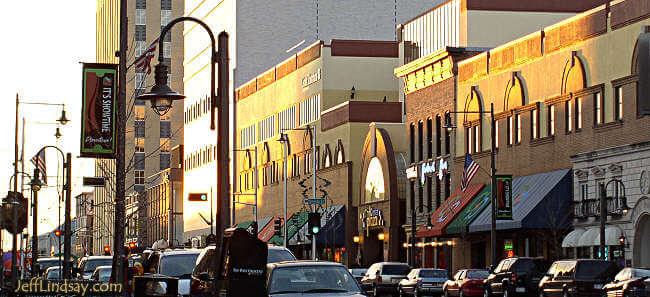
(18, 173)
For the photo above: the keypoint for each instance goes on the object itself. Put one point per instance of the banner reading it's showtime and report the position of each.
(98, 112)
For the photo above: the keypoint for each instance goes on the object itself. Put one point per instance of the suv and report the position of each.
(582, 277)
(202, 278)
(515, 276)
(175, 263)
(88, 264)
(384, 277)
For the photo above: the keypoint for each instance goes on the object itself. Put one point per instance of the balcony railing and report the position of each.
(590, 207)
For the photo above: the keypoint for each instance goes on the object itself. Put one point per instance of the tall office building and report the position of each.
(149, 137)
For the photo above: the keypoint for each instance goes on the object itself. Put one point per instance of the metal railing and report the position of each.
(590, 207)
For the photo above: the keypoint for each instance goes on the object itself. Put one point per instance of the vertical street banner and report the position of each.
(98, 112)
(643, 70)
(504, 197)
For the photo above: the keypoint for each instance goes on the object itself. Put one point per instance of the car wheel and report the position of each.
(486, 293)
(445, 293)
(461, 294)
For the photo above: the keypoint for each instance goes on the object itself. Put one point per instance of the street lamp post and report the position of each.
(429, 225)
(603, 210)
(161, 97)
(493, 171)
(284, 138)
(36, 185)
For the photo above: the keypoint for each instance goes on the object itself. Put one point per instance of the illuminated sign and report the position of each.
(310, 78)
(504, 197)
(412, 172)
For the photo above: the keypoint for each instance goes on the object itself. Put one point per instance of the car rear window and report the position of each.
(530, 265)
(433, 273)
(477, 274)
(395, 270)
(275, 256)
(591, 270)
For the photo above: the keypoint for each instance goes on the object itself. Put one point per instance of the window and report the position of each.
(430, 139)
(438, 136)
(533, 124)
(165, 17)
(468, 140)
(139, 145)
(510, 130)
(447, 141)
(518, 124)
(140, 17)
(167, 51)
(139, 112)
(584, 191)
(164, 161)
(551, 120)
(309, 110)
(164, 145)
(598, 108)
(578, 113)
(287, 118)
(496, 134)
(140, 48)
(140, 33)
(139, 177)
(569, 116)
(618, 101)
(412, 142)
(438, 198)
(267, 128)
(477, 138)
(248, 136)
(420, 144)
(429, 192)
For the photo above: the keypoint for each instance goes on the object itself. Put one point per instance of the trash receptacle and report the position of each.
(157, 285)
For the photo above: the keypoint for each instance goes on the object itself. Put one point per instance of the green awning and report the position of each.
(295, 222)
(244, 225)
(470, 212)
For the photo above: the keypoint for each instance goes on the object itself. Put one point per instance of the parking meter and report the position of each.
(157, 285)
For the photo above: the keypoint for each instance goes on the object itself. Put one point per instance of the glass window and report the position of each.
(179, 265)
(139, 112)
(139, 145)
(510, 130)
(518, 124)
(477, 274)
(165, 16)
(468, 131)
(420, 143)
(477, 138)
(412, 142)
(140, 17)
(164, 144)
(395, 270)
(619, 102)
(140, 48)
(374, 189)
(598, 108)
(584, 191)
(551, 120)
(438, 136)
(139, 81)
(534, 126)
(569, 116)
(430, 139)
(167, 50)
(579, 113)
(433, 273)
(305, 279)
(139, 177)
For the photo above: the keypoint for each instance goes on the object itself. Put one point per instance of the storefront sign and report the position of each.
(426, 168)
(507, 245)
(371, 217)
(442, 168)
(438, 167)
(310, 78)
(98, 122)
(504, 197)
(412, 172)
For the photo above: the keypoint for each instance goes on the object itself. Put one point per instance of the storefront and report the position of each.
(382, 193)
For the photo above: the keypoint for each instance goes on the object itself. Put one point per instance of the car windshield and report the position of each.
(477, 274)
(47, 264)
(395, 270)
(104, 275)
(591, 270)
(279, 255)
(91, 264)
(312, 279)
(641, 272)
(177, 265)
(433, 273)
(53, 273)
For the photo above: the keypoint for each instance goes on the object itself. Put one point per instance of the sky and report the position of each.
(44, 43)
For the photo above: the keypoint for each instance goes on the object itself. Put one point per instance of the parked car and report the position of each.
(175, 263)
(466, 282)
(205, 264)
(53, 272)
(308, 278)
(384, 277)
(423, 281)
(88, 264)
(102, 274)
(46, 263)
(629, 282)
(582, 277)
(515, 276)
(358, 273)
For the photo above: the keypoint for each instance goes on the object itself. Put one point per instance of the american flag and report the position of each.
(471, 167)
(143, 62)
(39, 162)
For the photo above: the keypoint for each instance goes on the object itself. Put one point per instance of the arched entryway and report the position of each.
(642, 242)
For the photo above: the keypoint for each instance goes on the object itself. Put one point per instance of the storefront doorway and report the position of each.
(373, 248)
(642, 242)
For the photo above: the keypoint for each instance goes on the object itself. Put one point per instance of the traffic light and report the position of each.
(14, 201)
(313, 223)
(131, 245)
(107, 250)
(277, 226)
(57, 233)
(197, 197)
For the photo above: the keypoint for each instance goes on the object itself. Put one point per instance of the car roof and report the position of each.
(391, 263)
(432, 269)
(49, 259)
(53, 268)
(104, 267)
(96, 257)
(273, 247)
(180, 252)
(303, 263)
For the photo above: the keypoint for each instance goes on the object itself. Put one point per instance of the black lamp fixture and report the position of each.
(161, 95)
(283, 137)
(429, 224)
(58, 133)
(36, 184)
(448, 124)
(352, 92)
(63, 119)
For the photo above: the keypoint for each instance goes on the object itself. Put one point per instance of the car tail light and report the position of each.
(513, 278)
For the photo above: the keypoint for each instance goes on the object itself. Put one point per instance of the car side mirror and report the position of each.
(204, 276)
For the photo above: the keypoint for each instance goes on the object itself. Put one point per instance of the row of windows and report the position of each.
(437, 136)
(573, 120)
(141, 17)
(267, 128)
(248, 136)
(433, 30)
(309, 110)
(197, 109)
(287, 118)
(199, 158)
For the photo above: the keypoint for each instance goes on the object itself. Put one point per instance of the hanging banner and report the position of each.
(504, 197)
(98, 112)
(643, 69)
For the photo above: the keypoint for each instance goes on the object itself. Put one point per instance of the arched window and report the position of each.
(327, 156)
(340, 154)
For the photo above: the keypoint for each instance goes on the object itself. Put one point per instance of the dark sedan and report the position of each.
(307, 278)
(630, 282)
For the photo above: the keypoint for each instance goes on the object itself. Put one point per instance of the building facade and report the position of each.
(149, 137)
(84, 224)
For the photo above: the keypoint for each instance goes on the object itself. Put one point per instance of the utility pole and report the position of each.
(67, 244)
(14, 248)
(120, 172)
(35, 226)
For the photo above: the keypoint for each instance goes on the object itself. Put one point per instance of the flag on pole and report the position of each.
(39, 162)
(143, 62)
(471, 167)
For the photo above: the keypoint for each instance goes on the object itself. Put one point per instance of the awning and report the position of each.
(540, 201)
(266, 233)
(244, 225)
(571, 239)
(294, 223)
(470, 212)
(332, 221)
(591, 237)
(448, 211)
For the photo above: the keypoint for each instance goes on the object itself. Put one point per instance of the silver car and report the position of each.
(175, 263)
(423, 281)
(308, 278)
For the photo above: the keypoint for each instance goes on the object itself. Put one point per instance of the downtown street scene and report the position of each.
(328, 148)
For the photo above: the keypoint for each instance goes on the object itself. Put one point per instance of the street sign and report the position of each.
(94, 181)
(315, 201)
